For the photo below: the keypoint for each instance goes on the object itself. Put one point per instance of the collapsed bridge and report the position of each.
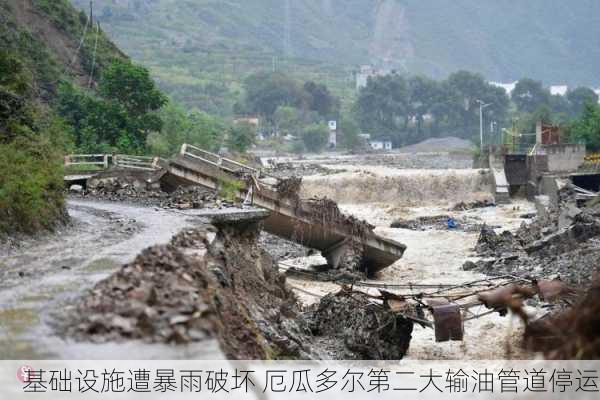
(315, 224)
(344, 241)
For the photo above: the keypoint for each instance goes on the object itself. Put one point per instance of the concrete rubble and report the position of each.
(563, 241)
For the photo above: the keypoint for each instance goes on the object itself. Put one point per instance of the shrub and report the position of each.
(315, 137)
(31, 183)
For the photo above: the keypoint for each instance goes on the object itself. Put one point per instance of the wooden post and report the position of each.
(67, 161)
(106, 161)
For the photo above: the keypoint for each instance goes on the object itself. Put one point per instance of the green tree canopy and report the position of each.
(123, 114)
(315, 137)
(414, 108)
(241, 136)
(579, 97)
(587, 128)
(529, 94)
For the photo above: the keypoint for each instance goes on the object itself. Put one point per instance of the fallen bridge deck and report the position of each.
(289, 218)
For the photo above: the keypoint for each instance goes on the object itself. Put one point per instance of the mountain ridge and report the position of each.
(191, 43)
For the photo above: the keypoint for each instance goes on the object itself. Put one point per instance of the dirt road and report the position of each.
(38, 279)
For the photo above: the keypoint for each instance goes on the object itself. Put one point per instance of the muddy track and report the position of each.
(40, 278)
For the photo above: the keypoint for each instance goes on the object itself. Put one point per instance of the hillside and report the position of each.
(41, 46)
(46, 36)
(199, 49)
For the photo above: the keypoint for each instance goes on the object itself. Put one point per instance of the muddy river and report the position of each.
(40, 279)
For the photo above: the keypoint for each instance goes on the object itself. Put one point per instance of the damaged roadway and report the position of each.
(217, 282)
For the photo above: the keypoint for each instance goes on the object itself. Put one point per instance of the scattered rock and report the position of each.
(76, 189)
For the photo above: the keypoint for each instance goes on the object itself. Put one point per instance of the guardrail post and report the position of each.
(67, 161)
(183, 149)
(106, 161)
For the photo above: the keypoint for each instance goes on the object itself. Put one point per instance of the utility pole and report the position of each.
(482, 105)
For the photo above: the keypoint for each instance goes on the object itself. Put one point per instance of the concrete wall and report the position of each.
(565, 157)
(515, 167)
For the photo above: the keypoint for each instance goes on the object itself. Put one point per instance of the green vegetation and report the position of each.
(180, 126)
(410, 109)
(228, 189)
(201, 51)
(241, 136)
(121, 117)
(36, 38)
(31, 145)
(314, 137)
(587, 128)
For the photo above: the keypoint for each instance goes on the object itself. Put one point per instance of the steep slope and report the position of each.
(198, 49)
(47, 36)
(40, 46)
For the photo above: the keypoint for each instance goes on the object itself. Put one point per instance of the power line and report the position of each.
(94, 56)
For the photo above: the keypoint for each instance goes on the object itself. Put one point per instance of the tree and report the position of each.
(15, 85)
(265, 92)
(131, 87)
(587, 127)
(464, 91)
(382, 105)
(315, 137)
(179, 126)
(321, 100)
(579, 98)
(121, 117)
(529, 94)
(287, 121)
(241, 136)
(349, 133)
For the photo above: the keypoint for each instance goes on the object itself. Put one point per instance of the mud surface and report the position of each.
(229, 288)
(42, 277)
(353, 326)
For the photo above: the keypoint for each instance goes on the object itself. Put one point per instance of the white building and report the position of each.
(381, 144)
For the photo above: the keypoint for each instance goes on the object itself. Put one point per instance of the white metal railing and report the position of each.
(103, 161)
(215, 159)
(143, 163)
(87, 160)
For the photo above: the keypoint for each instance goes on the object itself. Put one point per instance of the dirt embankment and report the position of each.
(229, 288)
